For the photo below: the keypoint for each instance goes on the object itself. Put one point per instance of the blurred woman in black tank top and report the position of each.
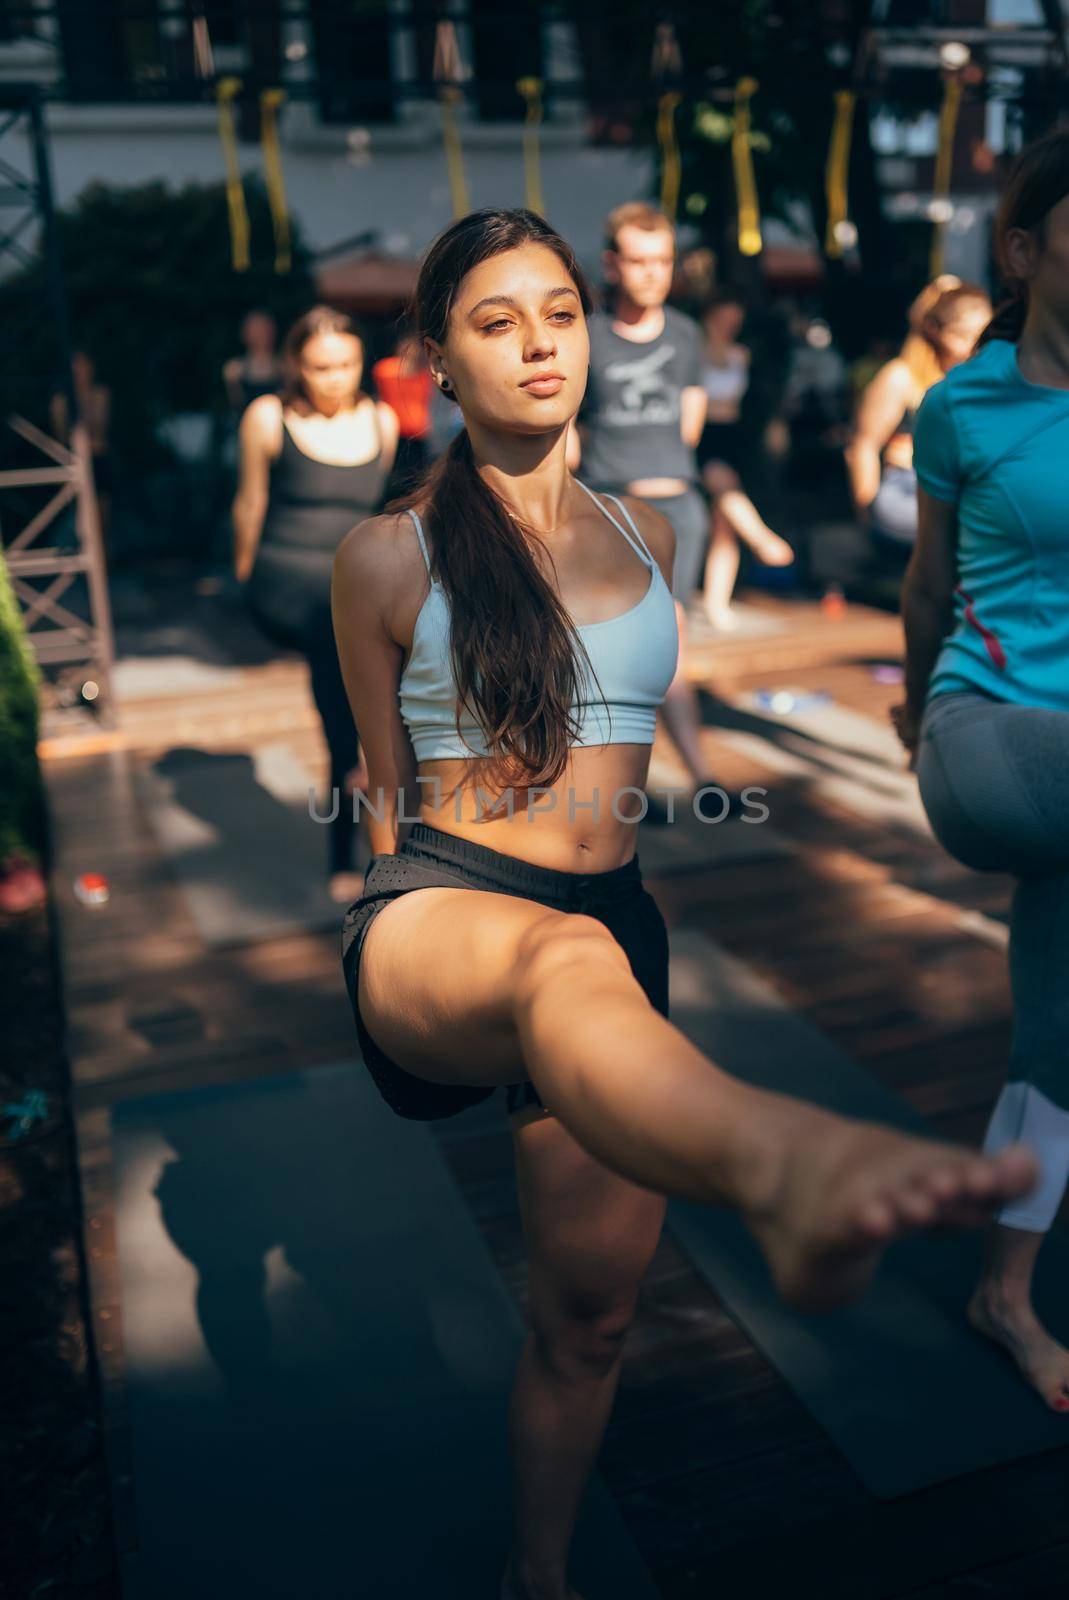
(314, 461)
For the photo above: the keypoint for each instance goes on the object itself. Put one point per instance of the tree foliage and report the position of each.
(153, 299)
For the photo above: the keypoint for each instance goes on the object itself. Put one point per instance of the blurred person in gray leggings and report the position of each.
(986, 611)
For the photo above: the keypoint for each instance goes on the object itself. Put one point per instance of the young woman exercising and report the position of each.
(512, 626)
(986, 608)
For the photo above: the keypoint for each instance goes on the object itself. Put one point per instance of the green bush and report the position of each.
(22, 804)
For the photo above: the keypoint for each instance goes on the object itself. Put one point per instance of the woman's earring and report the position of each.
(445, 384)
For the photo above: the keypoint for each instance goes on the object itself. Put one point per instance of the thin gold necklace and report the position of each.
(528, 525)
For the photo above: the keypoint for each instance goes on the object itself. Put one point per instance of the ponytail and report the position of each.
(1009, 317)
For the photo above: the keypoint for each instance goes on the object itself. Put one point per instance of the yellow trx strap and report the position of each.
(225, 92)
(742, 160)
(670, 165)
(837, 171)
(667, 63)
(531, 89)
(270, 100)
(448, 72)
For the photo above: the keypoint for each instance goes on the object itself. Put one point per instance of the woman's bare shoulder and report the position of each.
(896, 378)
(262, 420)
(379, 559)
(373, 543)
(656, 529)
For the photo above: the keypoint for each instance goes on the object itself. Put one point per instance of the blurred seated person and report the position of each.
(945, 321)
(725, 377)
(260, 369)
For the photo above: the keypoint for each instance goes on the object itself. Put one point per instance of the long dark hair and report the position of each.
(320, 319)
(1037, 180)
(513, 645)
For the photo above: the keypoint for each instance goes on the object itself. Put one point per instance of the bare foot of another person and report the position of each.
(345, 887)
(513, 1589)
(1043, 1362)
(840, 1191)
(722, 618)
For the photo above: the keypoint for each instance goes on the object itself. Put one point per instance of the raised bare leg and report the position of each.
(822, 1194)
(751, 527)
(470, 987)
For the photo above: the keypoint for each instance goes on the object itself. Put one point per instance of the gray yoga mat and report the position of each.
(237, 833)
(843, 756)
(688, 843)
(318, 1351)
(906, 1390)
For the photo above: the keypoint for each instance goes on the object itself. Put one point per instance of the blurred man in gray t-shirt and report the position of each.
(640, 421)
(631, 416)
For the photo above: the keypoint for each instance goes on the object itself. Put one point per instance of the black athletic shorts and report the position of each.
(431, 858)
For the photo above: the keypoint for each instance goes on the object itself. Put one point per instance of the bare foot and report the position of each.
(345, 887)
(770, 549)
(722, 618)
(1043, 1362)
(845, 1190)
(513, 1589)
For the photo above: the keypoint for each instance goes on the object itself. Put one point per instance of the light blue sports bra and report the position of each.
(633, 656)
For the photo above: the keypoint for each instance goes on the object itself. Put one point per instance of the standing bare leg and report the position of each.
(735, 517)
(682, 713)
(590, 1236)
(721, 571)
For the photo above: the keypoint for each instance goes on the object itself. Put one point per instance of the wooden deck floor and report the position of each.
(727, 1484)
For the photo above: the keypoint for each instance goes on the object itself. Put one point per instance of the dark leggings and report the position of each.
(339, 730)
(994, 779)
(294, 611)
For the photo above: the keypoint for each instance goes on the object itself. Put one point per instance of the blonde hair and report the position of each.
(635, 214)
(937, 304)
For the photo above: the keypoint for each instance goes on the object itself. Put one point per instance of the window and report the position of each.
(109, 50)
(506, 44)
(351, 45)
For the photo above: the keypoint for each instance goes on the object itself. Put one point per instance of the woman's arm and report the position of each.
(879, 414)
(232, 381)
(258, 441)
(693, 409)
(927, 605)
(367, 583)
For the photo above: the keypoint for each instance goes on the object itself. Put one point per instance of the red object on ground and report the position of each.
(91, 888)
(406, 392)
